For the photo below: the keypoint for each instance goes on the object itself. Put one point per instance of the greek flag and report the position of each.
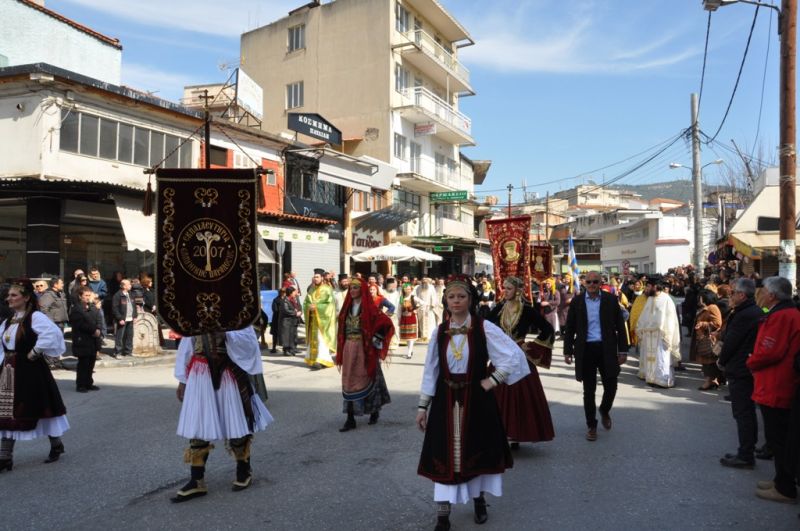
(573, 266)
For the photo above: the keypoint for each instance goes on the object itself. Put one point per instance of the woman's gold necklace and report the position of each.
(458, 350)
(510, 317)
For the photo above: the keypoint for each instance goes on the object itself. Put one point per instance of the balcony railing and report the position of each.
(436, 106)
(440, 173)
(433, 49)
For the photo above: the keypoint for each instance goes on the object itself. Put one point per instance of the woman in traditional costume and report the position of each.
(465, 450)
(408, 318)
(363, 341)
(30, 402)
(523, 406)
(550, 300)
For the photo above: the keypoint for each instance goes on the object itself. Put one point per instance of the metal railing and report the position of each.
(436, 106)
(433, 49)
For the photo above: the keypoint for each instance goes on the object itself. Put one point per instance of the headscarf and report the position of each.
(375, 325)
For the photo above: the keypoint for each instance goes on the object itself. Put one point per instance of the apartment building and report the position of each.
(387, 74)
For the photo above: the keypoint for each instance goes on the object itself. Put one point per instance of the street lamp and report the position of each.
(673, 165)
(787, 30)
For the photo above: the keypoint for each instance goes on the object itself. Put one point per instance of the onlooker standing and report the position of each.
(84, 320)
(775, 383)
(124, 311)
(39, 287)
(595, 335)
(290, 312)
(97, 284)
(74, 282)
(707, 323)
(148, 294)
(53, 303)
(738, 339)
(137, 293)
(275, 325)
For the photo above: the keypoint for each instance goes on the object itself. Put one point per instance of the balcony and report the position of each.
(435, 61)
(426, 176)
(421, 106)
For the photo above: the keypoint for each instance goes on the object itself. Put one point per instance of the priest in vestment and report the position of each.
(319, 312)
(392, 295)
(658, 336)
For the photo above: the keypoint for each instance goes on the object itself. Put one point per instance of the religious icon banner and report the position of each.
(206, 261)
(509, 239)
(541, 261)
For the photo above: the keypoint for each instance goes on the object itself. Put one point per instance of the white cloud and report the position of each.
(163, 84)
(212, 17)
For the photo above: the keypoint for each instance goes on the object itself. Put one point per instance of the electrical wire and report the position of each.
(763, 80)
(739, 75)
(705, 57)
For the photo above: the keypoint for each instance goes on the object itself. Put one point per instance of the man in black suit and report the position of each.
(84, 319)
(596, 336)
(124, 311)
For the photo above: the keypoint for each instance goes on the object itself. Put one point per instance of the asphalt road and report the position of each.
(656, 469)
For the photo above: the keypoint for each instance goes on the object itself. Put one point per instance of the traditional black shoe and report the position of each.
(93, 388)
(55, 453)
(193, 489)
(244, 476)
(6, 464)
(442, 523)
(373, 418)
(764, 453)
(480, 510)
(349, 425)
(81, 390)
(737, 462)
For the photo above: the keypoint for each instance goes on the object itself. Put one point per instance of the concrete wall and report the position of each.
(23, 132)
(30, 36)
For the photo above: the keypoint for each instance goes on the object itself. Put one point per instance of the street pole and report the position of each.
(788, 155)
(698, 188)
(510, 187)
(207, 132)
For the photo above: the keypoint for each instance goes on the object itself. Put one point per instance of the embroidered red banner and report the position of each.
(541, 261)
(206, 263)
(511, 252)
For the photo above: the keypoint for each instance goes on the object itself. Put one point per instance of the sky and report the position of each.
(567, 92)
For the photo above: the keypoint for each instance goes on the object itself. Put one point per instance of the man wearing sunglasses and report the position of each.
(596, 337)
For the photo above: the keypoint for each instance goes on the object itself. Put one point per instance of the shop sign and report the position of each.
(425, 129)
(364, 241)
(442, 248)
(314, 125)
(441, 197)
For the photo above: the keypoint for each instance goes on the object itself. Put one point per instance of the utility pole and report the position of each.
(510, 187)
(698, 188)
(207, 132)
(787, 25)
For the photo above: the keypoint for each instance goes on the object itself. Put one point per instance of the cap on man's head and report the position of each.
(319, 271)
(343, 276)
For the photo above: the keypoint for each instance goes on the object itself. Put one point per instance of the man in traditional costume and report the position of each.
(30, 402)
(523, 406)
(426, 299)
(392, 294)
(319, 312)
(219, 402)
(363, 340)
(465, 450)
(341, 291)
(658, 335)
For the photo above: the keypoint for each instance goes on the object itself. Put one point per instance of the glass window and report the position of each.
(108, 139)
(218, 156)
(89, 125)
(125, 152)
(186, 154)
(141, 147)
(70, 123)
(441, 167)
(297, 37)
(416, 157)
(294, 95)
(401, 78)
(170, 145)
(401, 18)
(156, 148)
(272, 180)
(400, 146)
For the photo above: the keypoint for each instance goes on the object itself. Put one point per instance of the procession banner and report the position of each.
(206, 249)
(541, 261)
(511, 252)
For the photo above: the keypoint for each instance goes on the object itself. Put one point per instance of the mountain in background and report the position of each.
(680, 190)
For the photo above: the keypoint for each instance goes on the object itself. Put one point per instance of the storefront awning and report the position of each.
(265, 256)
(140, 230)
(387, 218)
(292, 234)
(483, 258)
(359, 173)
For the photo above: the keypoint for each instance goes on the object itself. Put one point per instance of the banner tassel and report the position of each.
(147, 207)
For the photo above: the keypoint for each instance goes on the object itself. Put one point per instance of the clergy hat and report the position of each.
(318, 271)
(343, 276)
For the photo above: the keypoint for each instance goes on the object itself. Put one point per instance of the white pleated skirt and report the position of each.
(52, 427)
(216, 415)
(465, 492)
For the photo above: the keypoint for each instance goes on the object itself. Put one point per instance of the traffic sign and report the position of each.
(440, 197)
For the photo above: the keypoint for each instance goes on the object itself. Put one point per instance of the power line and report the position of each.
(763, 80)
(705, 57)
(739, 75)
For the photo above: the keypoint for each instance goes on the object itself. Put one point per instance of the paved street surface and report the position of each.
(657, 469)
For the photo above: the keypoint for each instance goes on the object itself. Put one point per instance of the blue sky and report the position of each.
(563, 88)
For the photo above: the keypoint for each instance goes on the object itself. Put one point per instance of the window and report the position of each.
(401, 18)
(112, 140)
(449, 212)
(141, 146)
(108, 139)
(441, 167)
(125, 152)
(89, 134)
(294, 95)
(452, 173)
(402, 78)
(272, 179)
(416, 157)
(218, 156)
(297, 37)
(400, 146)
(70, 124)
